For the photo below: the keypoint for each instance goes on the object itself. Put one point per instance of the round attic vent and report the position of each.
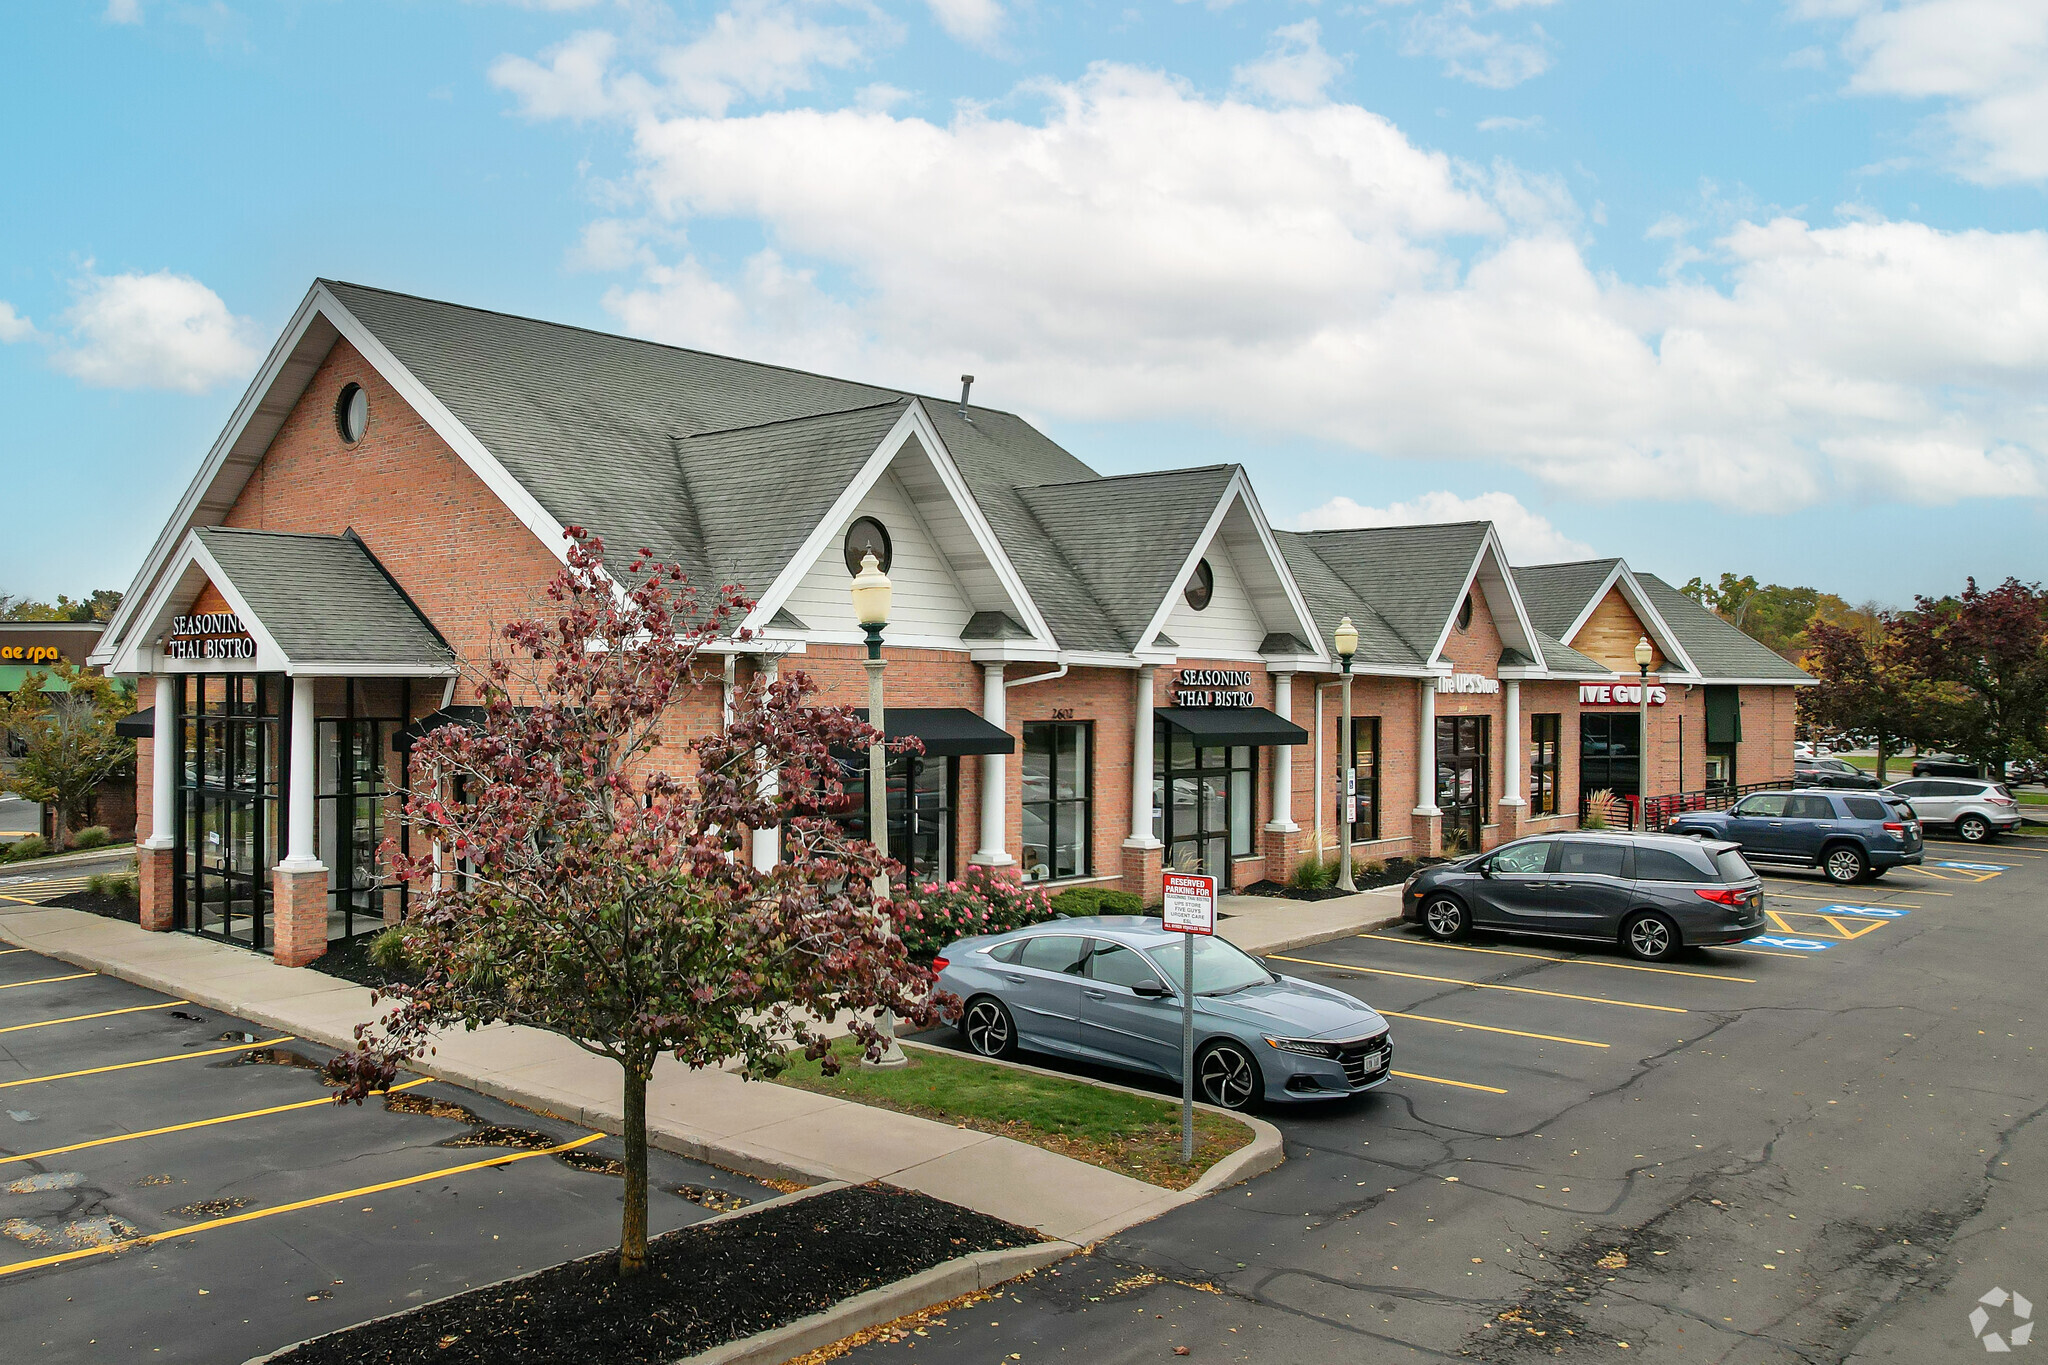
(352, 412)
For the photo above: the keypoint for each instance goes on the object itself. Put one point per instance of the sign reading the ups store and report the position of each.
(1213, 687)
(209, 636)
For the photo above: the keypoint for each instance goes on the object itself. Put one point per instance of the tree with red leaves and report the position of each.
(572, 883)
(1993, 648)
(1866, 682)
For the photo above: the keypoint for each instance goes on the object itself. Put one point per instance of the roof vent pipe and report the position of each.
(966, 384)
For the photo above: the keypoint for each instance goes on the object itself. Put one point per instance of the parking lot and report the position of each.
(1784, 1151)
(176, 1184)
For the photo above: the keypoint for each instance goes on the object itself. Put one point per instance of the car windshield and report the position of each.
(1220, 967)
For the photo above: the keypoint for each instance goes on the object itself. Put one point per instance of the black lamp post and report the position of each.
(1346, 641)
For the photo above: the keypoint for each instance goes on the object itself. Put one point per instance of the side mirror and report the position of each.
(1485, 867)
(1150, 990)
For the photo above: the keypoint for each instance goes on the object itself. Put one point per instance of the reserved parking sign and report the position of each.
(1189, 903)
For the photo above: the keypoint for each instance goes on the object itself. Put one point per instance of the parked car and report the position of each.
(1832, 772)
(1973, 807)
(1946, 767)
(1651, 893)
(1847, 836)
(1107, 989)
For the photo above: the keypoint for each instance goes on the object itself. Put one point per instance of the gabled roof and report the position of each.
(1557, 595)
(1720, 652)
(1330, 599)
(1563, 659)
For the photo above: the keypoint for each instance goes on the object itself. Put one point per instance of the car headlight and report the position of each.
(1306, 1046)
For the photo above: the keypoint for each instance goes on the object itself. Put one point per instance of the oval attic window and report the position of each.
(352, 412)
(1465, 613)
(1201, 586)
(868, 536)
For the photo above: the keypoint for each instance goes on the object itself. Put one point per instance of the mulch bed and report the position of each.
(349, 959)
(703, 1287)
(112, 907)
(1397, 871)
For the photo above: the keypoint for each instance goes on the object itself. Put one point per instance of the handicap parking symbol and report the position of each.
(1867, 911)
(1797, 945)
(1976, 867)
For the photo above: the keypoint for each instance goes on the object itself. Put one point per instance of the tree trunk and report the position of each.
(1883, 753)
(633, 1234)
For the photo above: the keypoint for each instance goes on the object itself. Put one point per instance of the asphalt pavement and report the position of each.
(176, 1183)
(1822, 1146)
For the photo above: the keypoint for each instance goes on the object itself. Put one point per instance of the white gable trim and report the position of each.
(141, 655)
(1528, 644)
(1639, 602)
(915, 421)
(319, 308)
(1239, 489)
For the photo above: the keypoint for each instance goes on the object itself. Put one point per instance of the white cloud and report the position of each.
(1295, 69)
(1503, 124)
(159, 331)
(1139, 250)
(1986, 61)
(973, 22)
(123, 12)
(1482, 56)
(13, 326)
(1528, 536)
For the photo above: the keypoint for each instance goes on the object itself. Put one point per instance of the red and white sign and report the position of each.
(1618, 694)
(1190, 903)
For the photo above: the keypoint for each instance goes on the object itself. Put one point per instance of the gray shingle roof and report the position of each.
(1563, 658)
(1717, 648)
(1412, 575)
(1330, 599)
(1555, 594)
(324, 599)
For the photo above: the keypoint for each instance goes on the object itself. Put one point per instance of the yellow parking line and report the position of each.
(1918, 890)
(1480, 985)
(1404, 1075)
(1826, 900)
(147, 1061)
(360, 1192)
(48, 980)
(1545, 957)
(7, 952)
(1489, 1028)
(195, 1123)
(103, 1014)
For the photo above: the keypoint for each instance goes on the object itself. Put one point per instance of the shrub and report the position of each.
(112, 884)
(92, 836)
(1598, 806)
(387, 949)
(1377, 867)
(1079, 902)
(32, 847)
(1313, 873)
(929, 915)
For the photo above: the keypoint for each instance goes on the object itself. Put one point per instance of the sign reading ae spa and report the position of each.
(1213, 687)
(1617, 694)
(209, 635)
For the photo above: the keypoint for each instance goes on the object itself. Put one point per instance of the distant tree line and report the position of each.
(99, 606)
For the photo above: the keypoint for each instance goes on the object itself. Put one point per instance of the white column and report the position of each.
(1425, 752)
(1141, 763)
(1511, 747)
(1283, 760)
(302, 849)
(768, 842)
(995, 790)
(163, 775)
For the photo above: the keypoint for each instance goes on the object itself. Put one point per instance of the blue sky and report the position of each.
(1742, 285)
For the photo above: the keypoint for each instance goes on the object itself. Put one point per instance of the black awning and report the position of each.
(413, 733)
(1220, 726)
(945, 730)
(141, 725)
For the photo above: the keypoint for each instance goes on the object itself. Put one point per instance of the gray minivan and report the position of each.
(1651, 893)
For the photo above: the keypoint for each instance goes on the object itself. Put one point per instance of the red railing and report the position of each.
(1633, 813)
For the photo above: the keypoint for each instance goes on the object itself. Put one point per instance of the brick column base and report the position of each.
(1510, 818)
(154, 868)
(1142, 870)
(298, 916)
(1426, 837)
(1282, 848)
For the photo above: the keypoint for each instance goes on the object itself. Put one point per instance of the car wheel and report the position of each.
(1650, 937)
(987, 1027)
(1445, 918)
(1227, 1076)
(1844, 864)
(1973, 829)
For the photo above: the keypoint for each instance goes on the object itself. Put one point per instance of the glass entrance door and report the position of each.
(1461, 777)
(922, 793)
(1202, 803)
(354, 751)
(230, 802)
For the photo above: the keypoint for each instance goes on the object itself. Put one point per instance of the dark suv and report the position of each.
(1652, 893)
(1832, 772)
(1846, 835)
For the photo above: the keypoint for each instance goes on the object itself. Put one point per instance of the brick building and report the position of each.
(1111, 675)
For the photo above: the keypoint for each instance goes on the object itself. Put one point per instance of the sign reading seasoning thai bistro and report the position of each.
(209, 635)
(1213, 687)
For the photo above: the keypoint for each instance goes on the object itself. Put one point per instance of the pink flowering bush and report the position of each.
(929, 915)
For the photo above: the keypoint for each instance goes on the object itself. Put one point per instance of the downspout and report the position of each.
(1059, 672)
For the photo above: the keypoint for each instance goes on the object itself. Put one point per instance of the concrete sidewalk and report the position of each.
(1272, 924)
(753, 1127)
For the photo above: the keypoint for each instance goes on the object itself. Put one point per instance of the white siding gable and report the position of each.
(1229, 627)
(929, 601)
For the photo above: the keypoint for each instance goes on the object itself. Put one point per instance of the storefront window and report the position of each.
(921, 798)
(353, 792)
(1543, 754)
(1056, 786)
(1365, 757)
(230, 802)
(1610, 753)
(1203, 810)
(1461, 777)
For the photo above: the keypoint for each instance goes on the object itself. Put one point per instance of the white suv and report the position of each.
(1975, 808)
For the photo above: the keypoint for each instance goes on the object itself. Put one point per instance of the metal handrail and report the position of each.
(1657, 811)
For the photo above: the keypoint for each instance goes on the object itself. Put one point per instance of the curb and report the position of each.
(1307, 940)
(77, 855)
(983, 1270)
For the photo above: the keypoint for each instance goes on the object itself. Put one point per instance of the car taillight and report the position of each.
(938, 964)
(1719, 895)
(1894, 827)
(2002, 801)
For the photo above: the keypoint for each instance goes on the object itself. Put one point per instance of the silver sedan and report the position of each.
(1107, 990)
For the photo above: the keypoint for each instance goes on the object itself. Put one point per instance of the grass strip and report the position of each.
(1134, 1135)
